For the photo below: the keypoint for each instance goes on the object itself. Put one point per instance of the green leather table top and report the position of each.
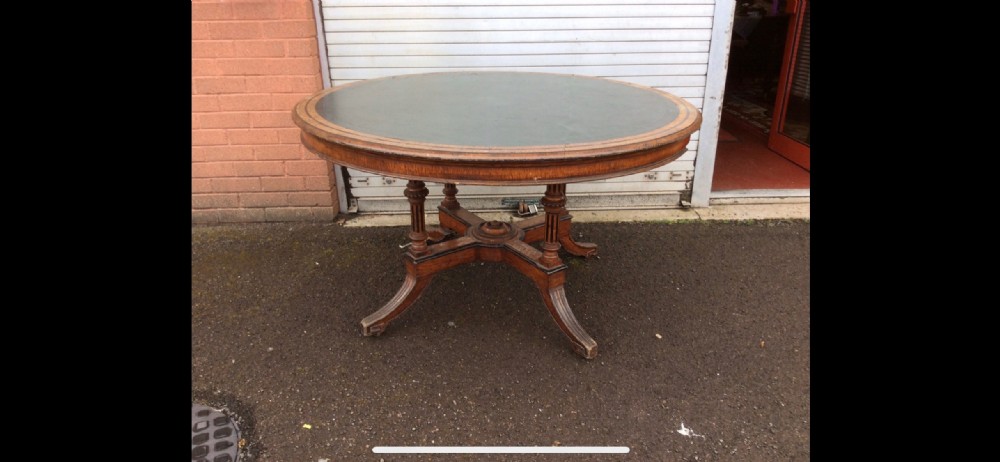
(500, 109)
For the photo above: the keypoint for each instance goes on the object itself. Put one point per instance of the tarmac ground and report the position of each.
(702, 328)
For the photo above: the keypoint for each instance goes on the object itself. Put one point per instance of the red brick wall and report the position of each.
(252, 60)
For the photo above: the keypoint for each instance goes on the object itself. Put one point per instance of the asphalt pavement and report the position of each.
(702, 326)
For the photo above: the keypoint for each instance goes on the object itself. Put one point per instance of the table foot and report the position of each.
(555, 301)
(413, 287)
(580, 249)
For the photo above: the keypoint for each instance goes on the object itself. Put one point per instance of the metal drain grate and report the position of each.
(214, 436)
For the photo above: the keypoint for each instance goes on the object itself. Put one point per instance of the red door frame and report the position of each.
(788, 147)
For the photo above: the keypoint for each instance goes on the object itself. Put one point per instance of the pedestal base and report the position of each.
(469, 239)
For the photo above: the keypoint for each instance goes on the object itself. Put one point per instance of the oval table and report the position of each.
(495, 128)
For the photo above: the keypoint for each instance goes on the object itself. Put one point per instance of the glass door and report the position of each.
(789, 134)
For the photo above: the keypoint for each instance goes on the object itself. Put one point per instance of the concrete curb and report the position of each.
(796, 211)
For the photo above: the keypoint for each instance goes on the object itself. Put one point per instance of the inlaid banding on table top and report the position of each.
(621, 118)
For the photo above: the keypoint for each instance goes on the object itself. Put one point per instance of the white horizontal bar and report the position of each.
(500, 449)
(422, 3)
(357, 73)
(607, 59)
(516, 24)
(752, 193)
(534, 11)
(519, 49)
(521, 36)
(408, 3)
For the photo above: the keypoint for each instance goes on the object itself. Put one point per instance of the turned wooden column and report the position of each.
(450, 202)
(415, 192)
(554, 202)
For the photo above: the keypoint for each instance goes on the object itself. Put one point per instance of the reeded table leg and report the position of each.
(450, 202)
(551, 286)
(416, 192)
(535, 228)
(555, 206)
(414, 284)
(550, 283)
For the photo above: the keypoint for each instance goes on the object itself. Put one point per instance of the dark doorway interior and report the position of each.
(743, 159)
